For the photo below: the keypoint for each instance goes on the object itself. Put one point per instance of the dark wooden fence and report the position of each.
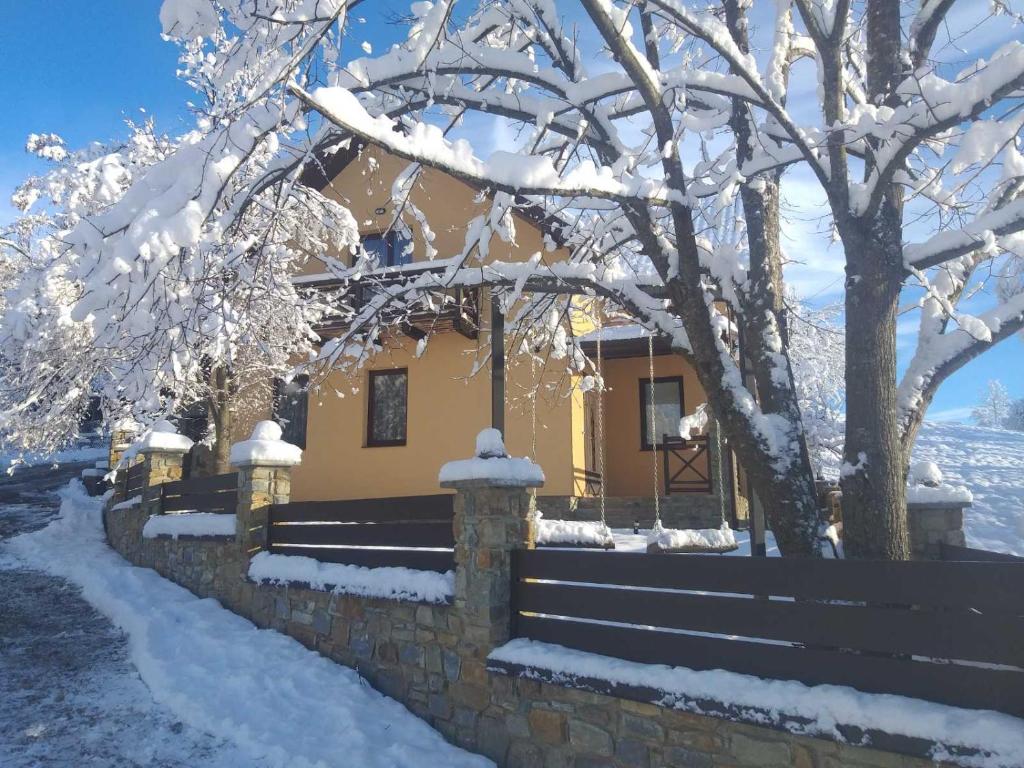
(407, 531)
(969, 554)
(881, 627)
(134, 479)
(218, 494)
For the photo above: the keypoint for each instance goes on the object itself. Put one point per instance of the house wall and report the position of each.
(365, 185)
(447, 408)
(627, 467)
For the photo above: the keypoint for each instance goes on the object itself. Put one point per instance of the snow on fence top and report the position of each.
(189, 524)
(492, 464)
(392, 583)
(266, 447)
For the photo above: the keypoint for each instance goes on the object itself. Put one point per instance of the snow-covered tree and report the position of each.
(158, 326)
(1015, 419)
(817, 351)
(995, 408)
(647, 128)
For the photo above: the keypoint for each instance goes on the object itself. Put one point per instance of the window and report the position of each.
(668, 409)
(390, 248)
(291, 405)
(388, 407)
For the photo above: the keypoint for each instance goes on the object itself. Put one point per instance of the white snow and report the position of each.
(941, 494)
(390, 583)
(489, 444)
(70, 455)
(990, 463)
(692, 538)
(266, 447)
(189, 524)
(573, 532)
(825, 706)
(619, 333)
(162, 436)
(278, 702)
(493, 464)
(134, 501)
(925, 473)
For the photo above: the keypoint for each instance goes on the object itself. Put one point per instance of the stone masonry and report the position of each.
(432, 658)
(933, 524)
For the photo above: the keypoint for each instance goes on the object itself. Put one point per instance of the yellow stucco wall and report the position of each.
(628, 469)
(447, 407)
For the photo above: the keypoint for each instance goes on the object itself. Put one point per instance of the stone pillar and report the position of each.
(122, 435)
(934, 523)
(935, 511)
(264, 465)
(162, 466)
(495, 505)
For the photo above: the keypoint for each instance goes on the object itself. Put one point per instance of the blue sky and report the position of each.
(80, 69)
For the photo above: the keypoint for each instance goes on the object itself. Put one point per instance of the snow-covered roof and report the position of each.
(628, 332)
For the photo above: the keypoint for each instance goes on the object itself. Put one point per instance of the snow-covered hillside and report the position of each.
(990, 462)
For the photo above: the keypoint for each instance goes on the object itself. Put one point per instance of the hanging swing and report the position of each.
(578, 534)
(663, 540)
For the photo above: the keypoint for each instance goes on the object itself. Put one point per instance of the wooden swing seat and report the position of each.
(656, 549)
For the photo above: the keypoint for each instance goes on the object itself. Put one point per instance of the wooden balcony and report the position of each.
(439, 309)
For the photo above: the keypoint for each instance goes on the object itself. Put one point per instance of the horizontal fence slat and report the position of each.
(989, 587)
(954, 684)
(186, 503)
(423, 560)
(224, 482)
(203, 502)
(381, 534)
(969, 636)
(412, 508)
(969, 554)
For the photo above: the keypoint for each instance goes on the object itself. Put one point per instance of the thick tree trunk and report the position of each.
(873, 476)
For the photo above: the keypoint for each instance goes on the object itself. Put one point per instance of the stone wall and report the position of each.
(933, 524)
(433, 658)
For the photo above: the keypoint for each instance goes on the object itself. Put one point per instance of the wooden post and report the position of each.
(497, 365)
(757, 545)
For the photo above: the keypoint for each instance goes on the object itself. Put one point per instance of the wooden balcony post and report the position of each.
(497, 365)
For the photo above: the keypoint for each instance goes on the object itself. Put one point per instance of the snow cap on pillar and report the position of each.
(163, 437)
(265, 448)
(491, 466)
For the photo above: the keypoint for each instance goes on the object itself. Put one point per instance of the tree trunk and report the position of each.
(873, 475)
(221, 402)
(763, 316)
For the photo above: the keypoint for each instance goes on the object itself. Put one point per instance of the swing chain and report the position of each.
(652, 426)
(600, 420)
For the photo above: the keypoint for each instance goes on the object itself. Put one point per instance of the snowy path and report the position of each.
(69, 695)
(189, 684)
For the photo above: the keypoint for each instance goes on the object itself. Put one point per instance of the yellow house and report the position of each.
(386, 431)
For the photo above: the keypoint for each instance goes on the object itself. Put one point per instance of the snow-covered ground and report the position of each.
(990, 462)
(237, 695)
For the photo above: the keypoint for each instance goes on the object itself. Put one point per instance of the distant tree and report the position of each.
(1015, 420)
(994, 410)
